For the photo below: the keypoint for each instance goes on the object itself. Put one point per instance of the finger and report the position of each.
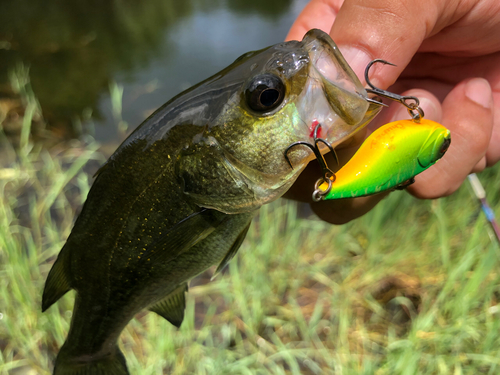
(475, 31)
(493, 153)
(468, 113)
(396, 111)
(318, 14)
(344, 210)
(388, 29)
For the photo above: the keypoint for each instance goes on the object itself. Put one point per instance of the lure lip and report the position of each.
(446, 144)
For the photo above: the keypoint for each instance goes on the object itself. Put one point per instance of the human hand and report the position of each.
(450, 50)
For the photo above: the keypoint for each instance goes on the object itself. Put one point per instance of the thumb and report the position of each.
(468, 113)
(392, 30)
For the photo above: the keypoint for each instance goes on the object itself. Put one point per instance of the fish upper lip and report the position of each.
(316, 35)
(335, 93)
(344, 91)
(322, 48)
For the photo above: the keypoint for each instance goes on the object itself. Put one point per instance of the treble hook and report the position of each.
(410, 102)
(328, 174)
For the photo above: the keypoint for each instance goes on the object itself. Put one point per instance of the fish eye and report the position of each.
(264, 93)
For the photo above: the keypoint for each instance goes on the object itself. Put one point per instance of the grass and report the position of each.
(410, 288)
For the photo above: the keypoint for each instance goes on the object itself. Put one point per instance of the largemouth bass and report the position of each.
(180, 192)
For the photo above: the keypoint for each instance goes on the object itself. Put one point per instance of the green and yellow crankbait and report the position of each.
(389, 158)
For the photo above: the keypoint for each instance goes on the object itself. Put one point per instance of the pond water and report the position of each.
(153, 50)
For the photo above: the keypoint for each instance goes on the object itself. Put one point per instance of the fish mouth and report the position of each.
(333, 95)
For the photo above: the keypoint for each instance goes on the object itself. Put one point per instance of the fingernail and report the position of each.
(479, 91)
(357, 59)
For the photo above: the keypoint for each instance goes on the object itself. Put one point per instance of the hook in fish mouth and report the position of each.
(328, 174)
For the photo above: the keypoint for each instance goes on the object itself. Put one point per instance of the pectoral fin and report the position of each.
(172, 306)
(233, 250)
(184, 235)
(57, 283)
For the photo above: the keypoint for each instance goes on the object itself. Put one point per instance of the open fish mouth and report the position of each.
(333, 95)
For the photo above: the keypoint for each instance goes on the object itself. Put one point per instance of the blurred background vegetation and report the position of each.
(153, 48)
(410, 288)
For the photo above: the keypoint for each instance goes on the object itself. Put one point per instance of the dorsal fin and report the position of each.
(172, 306)
(233, 250)
(57, 283)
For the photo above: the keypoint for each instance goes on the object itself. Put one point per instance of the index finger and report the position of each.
(392, 30)
(315, 15)
(364, 30)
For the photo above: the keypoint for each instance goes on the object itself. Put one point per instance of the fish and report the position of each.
(178, 195)
(389, 158)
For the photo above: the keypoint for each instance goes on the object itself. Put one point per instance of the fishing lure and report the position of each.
(389, 157)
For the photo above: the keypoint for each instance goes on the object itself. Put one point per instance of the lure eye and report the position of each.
(265, 93)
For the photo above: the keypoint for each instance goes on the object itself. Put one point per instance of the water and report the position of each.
(153, 50)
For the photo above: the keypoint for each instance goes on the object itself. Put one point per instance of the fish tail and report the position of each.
(109, 364)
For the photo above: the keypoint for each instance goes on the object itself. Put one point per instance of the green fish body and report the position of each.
(179, 194)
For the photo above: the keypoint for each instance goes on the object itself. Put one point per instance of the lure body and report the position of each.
(390, 156)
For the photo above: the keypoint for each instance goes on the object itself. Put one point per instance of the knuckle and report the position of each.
(435, 191)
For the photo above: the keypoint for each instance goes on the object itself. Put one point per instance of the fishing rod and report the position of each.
(480, 194)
